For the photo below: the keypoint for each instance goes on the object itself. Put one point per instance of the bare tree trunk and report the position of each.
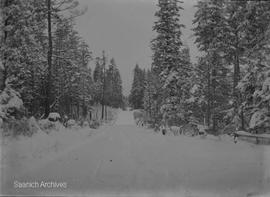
(78, 114)
(49, 59)
(213, 101)
(33, 101)
(236, 93)
(106, 113)
(208, 112)
(5, 4)
(4, 78)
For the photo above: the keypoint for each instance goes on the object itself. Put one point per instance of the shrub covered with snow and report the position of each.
(11, 106)
(175, 130)
(14, 127)
(33, 125)
(85, 124)
(49, 126)
(71, 123)
(261, 100)
(189, 129)
(94, 124)
(259, 120)
(11, 113)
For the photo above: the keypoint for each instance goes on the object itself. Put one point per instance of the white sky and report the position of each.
(123, 28)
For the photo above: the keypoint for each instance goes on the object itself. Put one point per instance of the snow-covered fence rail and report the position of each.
(257, 138)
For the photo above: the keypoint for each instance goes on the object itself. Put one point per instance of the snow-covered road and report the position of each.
(125, 118)
(130, 161)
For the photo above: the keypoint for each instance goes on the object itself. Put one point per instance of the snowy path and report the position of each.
(125, 118)
(125, 159)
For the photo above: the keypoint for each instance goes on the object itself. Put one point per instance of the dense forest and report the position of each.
(45, 63)
(45, 66)
(228, 88)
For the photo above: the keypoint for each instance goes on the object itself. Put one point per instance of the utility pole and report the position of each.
(103, 89)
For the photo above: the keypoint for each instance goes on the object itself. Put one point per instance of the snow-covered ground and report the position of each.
(124, 160)
(125, 118)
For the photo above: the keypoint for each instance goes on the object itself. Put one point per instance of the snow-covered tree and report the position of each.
(137, 90)
(72, 87)
(254, 86)
(152, 97)
(24, 52)
(113, 92)
(209, 31)
(169, 63)
(22, 49)
(236, 32)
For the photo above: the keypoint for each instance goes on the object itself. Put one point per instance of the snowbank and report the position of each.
(266, 168)
(28, 151)
(132, 159)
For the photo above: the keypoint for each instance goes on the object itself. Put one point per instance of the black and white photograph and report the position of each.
(135, 98)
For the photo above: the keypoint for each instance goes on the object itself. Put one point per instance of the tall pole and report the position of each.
(103, 89)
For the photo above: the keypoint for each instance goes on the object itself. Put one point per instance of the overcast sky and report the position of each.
(123, 28)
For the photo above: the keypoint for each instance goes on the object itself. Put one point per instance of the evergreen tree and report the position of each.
(168, 62)
(152, 98)
(21, 49)
(137, 90)
(24, 51)
(198, 99)
(210, 22)
(72, 87)
(118, 94)
(235, 33)
(113, 92)
(98, 70)
(254, 86)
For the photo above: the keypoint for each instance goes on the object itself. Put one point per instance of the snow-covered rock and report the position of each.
(202, 129)
(54, 116)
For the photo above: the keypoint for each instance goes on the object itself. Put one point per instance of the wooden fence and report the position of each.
(254, 138)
